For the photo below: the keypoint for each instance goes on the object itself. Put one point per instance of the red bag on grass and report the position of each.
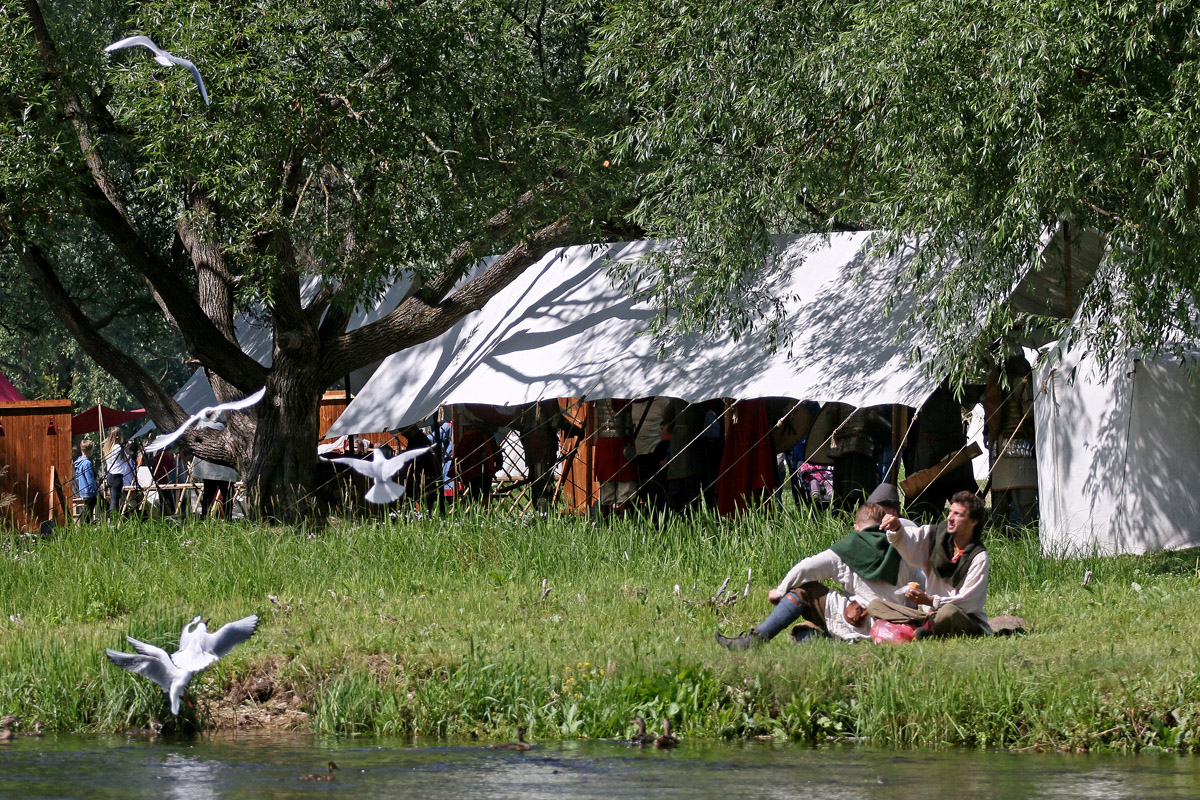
(890, 632)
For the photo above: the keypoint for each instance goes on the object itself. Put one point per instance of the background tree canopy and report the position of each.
(975, 126)
(355, 141)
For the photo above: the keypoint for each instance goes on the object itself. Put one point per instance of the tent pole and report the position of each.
(899, 423)
(1067, 266)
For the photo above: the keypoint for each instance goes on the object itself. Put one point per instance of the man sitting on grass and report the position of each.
(955, 562)
(866, 566)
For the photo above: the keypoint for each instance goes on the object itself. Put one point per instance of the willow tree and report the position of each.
(973, 126)
(356, 141)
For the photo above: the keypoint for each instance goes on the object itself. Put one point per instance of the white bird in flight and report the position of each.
(197, 649)
(206, 418)
(162, 57)
(380, 469)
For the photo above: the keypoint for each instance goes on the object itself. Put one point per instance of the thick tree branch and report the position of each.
(161, 406)
(415, 321)
(423, 314)
(214, 282)
(202, 338)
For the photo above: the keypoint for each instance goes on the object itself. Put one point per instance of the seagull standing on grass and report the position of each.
(197, 649)
(162, 57)
(380, 469)
(206, 418)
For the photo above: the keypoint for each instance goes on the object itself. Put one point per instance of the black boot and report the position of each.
(787, 610)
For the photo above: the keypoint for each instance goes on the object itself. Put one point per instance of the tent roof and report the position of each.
(562, 329)
(89, 421)
(8, 392)
(1055, 284)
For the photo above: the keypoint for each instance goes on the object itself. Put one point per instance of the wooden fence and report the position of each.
(35, 445)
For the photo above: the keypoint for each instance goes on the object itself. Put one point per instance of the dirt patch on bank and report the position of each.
(260, 700)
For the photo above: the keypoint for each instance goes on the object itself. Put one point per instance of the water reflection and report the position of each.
(271, 766)
(188, 778)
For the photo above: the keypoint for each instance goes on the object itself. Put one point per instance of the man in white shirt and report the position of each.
(865, 565)
(955, 563)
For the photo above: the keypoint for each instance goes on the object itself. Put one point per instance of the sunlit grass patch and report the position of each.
(470, 625)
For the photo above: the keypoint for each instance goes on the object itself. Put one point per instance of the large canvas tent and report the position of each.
(1118, 455)
(564, 329)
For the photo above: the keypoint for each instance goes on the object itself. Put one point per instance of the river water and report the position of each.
(252, 766)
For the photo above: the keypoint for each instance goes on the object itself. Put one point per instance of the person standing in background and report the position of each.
(1008, 409)
(119, 471)
(86, 486)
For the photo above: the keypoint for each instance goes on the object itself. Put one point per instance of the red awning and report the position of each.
(89, 421)
(8, 392)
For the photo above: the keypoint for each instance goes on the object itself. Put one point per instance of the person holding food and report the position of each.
(955, 562)
(865, 565)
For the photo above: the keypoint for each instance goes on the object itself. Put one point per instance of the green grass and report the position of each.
(439, 628)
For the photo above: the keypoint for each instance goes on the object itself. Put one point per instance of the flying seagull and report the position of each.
(162, 57)
(206, 418)
(197, 649)
(380, 469)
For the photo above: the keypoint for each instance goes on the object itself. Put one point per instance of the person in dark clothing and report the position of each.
(939, 432)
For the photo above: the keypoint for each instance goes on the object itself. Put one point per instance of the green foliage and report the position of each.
(972, 126)
(377, 135)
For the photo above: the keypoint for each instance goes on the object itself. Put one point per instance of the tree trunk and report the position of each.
(280, 474)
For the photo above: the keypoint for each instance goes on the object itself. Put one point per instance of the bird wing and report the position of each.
(361, 466)
(146, 649)
(393, 465)
(167, 439)
(183, 62)
(249, 400)
(229, 635)
(159, 670)
(135, 41)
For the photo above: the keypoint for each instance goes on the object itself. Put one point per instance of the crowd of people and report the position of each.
(114, 479)
(662, 455)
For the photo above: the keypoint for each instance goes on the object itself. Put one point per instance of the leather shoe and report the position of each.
(743, 642)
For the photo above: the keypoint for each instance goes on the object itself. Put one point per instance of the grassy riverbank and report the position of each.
(440, 628)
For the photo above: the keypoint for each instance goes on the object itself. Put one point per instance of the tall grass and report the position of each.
(440, 627)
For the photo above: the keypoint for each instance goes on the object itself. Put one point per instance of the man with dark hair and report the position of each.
(955, 564)
(865, 565)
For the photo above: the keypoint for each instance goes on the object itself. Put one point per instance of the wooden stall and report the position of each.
(35, 445)
(333, 403)
(579, 486)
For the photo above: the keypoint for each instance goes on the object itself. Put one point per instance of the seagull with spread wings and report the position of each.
(197, 650)
(162, 57)
(206, 418)
(381, 469)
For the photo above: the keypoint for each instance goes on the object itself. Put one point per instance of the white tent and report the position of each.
(563, 329)
(1118, 456)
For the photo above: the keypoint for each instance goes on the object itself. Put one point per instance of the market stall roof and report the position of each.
(8, 392)
(89, 421)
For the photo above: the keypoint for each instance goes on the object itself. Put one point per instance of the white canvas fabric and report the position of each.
(1117, 456)
(562, 329)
